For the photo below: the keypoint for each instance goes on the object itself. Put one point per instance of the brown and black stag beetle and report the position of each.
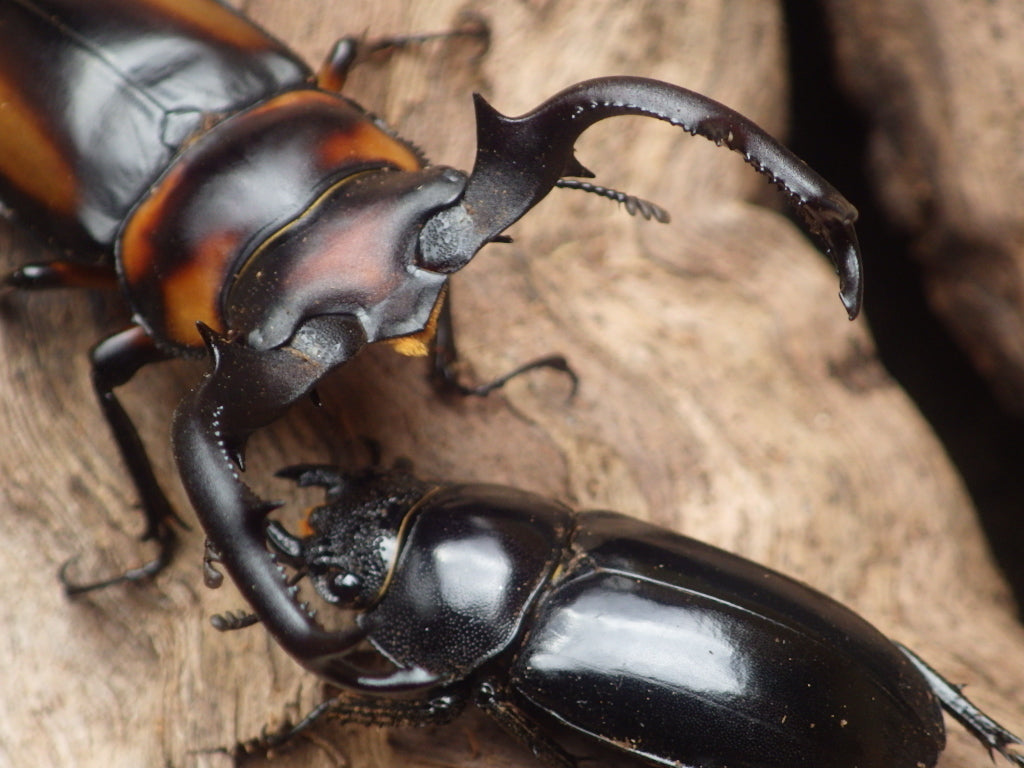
(242, 206)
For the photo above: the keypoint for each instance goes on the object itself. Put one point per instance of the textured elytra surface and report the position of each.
(724, 394)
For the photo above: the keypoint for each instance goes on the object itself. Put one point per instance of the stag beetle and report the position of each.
(600, 627)
(244, 207)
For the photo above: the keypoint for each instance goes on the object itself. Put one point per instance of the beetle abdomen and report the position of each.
(684, 679)
(101, 95)
(722, 676)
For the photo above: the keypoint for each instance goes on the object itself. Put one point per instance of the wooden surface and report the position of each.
(724, 394)
(940, 83)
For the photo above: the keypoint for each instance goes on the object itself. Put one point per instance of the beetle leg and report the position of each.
(351, 51)
(514, 722)
(335, 68)
(981, 726)
(366, 710)
(212, 578)
(146, 571)
(230, 621)
(444, 355)
(60, 274)
(114, 361)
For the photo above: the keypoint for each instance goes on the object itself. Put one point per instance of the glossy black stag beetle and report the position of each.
(242, 205)
(603, 629)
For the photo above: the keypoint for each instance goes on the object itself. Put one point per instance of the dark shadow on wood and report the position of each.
(983, 441)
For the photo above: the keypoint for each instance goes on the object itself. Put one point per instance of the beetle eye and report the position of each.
(344, 588)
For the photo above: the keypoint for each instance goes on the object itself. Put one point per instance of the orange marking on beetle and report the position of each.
(365, 141)
(136, 249)
(286, 100)
(192, 291)
(359, 140)
(137, 258)
(38, 167)
(329, 79)
(84, 275)
(305, 526)
(418, 344)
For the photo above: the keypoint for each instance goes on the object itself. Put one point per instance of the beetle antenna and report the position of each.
(635, 206)
(230, 621)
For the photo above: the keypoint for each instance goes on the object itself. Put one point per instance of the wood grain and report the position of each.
(724, 395)
(940, 83)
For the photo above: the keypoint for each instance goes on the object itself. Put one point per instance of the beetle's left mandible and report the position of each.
(519, 160)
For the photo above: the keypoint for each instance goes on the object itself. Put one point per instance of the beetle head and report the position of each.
(353, 539)
(352, 252)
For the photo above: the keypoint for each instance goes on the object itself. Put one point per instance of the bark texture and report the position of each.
(723, 394)
(940, 82)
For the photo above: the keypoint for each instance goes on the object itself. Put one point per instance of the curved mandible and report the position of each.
(246, 390)
(519, 160)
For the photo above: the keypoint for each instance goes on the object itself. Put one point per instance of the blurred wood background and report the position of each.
(723, 393)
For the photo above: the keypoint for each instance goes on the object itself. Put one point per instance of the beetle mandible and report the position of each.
(594, 625)
(244, 207)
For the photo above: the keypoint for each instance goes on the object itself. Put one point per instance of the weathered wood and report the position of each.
(941, 83)
(723, 394)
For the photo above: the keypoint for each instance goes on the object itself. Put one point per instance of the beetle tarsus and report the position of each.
(212, 578)
(351, 51)
(167, 544)
(986, 730)
(444, 356)
(450, 379)
(360, 710)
